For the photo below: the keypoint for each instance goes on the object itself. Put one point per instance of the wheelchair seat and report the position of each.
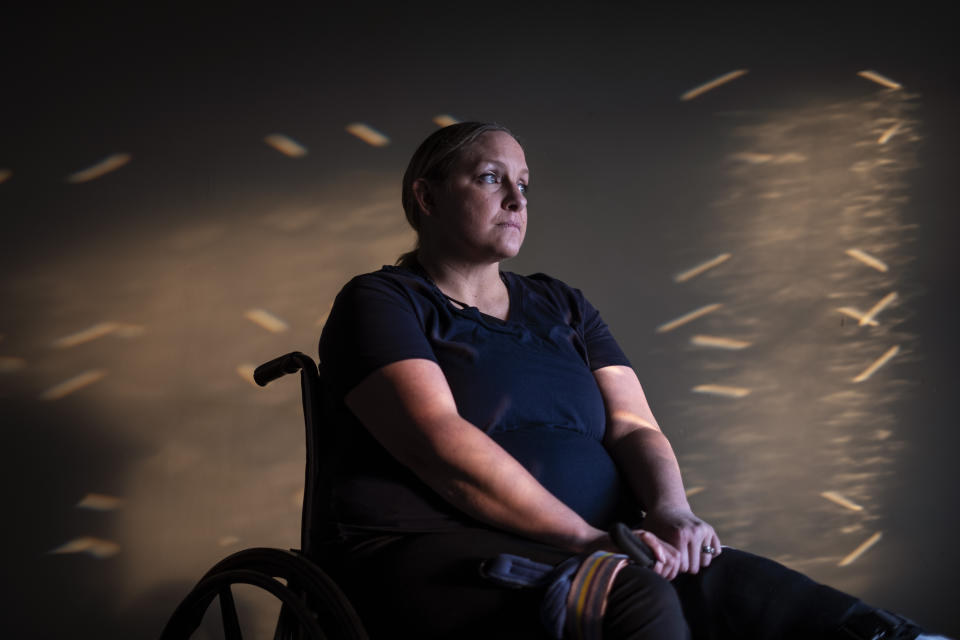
(312, 605)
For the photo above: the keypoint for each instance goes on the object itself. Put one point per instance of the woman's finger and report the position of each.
(661, 570)
(655, 545)
(695, 553)
(665, 566)
(706, 559)
(713, 544)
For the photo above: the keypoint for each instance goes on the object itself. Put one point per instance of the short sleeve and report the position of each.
(556, 299)
(374, 322)
(602, 348)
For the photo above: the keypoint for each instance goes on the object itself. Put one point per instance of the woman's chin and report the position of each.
(509, 252)
(510, 247)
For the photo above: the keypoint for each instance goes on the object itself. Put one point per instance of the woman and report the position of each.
(481, 412)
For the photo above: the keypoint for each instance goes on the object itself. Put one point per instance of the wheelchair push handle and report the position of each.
(279, 367)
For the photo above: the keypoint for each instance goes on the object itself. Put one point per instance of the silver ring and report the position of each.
(709, 549)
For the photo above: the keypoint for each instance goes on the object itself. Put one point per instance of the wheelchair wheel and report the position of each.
(312, 606)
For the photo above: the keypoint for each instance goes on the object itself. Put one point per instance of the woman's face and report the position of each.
(481, 209)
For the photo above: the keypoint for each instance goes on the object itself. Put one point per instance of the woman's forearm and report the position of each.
(635, 442)
(408, 408)
(647, 461)
(475, 474)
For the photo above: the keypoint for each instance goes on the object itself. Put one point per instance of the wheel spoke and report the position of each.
(228, 611)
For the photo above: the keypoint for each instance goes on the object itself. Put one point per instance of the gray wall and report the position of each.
(161, 259)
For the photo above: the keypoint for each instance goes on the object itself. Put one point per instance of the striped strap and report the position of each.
(587, 599)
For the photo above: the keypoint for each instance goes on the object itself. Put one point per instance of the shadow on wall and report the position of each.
(56, 455)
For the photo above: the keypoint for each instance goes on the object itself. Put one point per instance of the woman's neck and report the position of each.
(475, 285)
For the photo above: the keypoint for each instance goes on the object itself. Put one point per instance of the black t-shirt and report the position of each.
(527, 382)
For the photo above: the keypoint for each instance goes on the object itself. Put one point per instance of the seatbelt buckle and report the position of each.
(515, 572)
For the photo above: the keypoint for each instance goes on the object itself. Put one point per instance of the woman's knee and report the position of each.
(641, 604)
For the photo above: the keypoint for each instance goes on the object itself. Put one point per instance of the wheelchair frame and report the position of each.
(313, 606)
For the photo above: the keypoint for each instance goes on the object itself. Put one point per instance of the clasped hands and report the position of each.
(680, 541)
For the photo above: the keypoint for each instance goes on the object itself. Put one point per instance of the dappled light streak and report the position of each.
(291, 221)
(718, 342)
(726, 391)
(9, 364)
(858, 315)
(632, 418)
(688, 317)
(700, 268)
(125, 330)
(836, 498)
(5, 175)
(245, 371)
(444, 120)
(877, 308)
(86, 335)
(368, 134)
(100, 502)
(96, 547)
(712, 84)
(889, 133)
(227, 541)
(105, 166)
(860, 550)
(869, 260)
(322, 320)
(265, 319)
(753, 157)
(692, 491)
(879, 362)
(286, 145)
(73, 384)
(365, 219)
(869, 74)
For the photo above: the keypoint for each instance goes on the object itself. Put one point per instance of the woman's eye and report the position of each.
(493, 178)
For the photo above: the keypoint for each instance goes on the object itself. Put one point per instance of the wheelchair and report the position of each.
(312, 607)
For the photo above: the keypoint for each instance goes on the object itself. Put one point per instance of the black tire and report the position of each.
(313, 605)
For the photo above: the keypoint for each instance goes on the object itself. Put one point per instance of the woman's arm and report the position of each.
(646, 459)
(409, 408)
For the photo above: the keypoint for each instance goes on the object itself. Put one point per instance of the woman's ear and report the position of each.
(423, 195)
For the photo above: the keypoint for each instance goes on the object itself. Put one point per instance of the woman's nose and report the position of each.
(514, 200)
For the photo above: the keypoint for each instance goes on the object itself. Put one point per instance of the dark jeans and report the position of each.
(429, 586)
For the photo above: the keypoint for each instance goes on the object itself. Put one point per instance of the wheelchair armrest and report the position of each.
(279, 367)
